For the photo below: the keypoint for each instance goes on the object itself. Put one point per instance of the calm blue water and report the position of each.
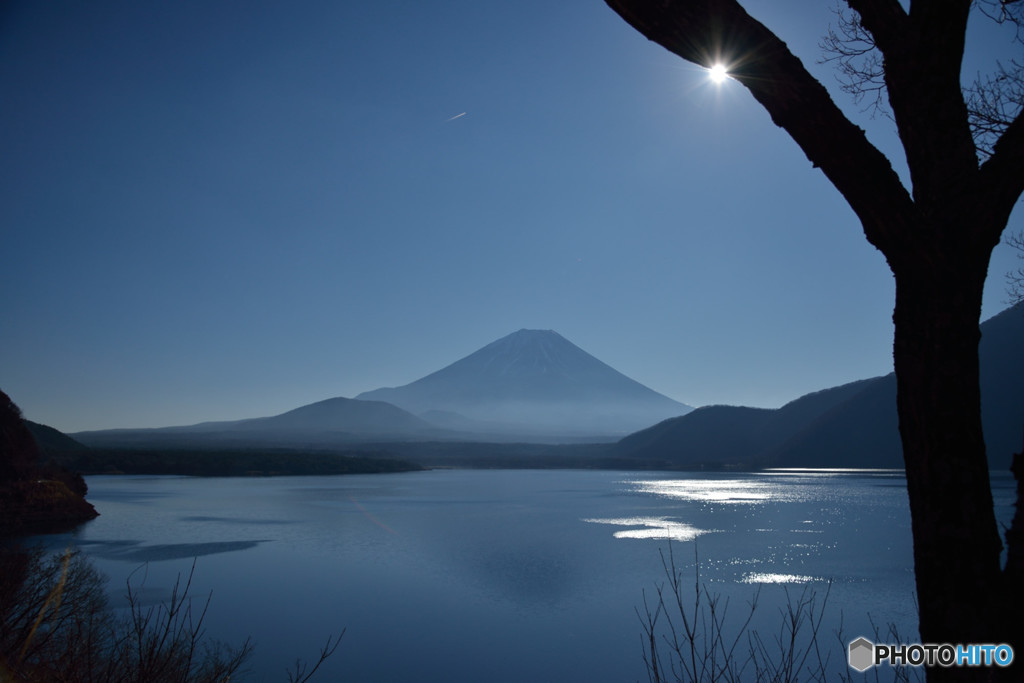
(469, 575)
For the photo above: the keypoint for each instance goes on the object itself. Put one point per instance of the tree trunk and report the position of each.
(938, 243)
(956, 539)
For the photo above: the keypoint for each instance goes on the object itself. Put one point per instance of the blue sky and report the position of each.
(226, 209)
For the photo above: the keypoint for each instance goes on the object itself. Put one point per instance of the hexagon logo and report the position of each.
(862, 654)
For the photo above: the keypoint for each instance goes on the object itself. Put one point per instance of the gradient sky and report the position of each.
(226, 209)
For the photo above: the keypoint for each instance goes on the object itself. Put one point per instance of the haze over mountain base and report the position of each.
(531, 385)
(537, 387)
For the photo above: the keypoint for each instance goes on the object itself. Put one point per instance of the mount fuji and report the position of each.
(534, 383)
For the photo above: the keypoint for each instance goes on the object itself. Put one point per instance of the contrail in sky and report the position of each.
(457, 116)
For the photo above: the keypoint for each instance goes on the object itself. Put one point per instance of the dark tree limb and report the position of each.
(709, 31)
(922, 76)
(1002, 176)
(885, 19)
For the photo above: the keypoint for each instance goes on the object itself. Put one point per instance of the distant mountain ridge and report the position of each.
(853, 425)
(339, 415)
(533, 381)
(529, 385)
(334, 420)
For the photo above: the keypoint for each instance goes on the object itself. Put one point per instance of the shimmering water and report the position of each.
(469, 575)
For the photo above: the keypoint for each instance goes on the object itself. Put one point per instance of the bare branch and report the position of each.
(857, 60)
(1015, 278)
(1002, 175)
(1009, 12)
(301, 675)
(993, 102)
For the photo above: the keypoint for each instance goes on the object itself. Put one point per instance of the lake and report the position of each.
(500, 575)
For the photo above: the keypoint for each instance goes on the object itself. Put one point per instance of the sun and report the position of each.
(718, 73)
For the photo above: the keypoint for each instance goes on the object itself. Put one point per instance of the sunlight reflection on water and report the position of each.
(710, 490)
(832, 471)
(762, 577)
(783, 485)
(777, 502)
(652, 527)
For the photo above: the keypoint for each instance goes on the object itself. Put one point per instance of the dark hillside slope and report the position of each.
(52, 441)
(861, 432)
(708, 436)
(1001, 354)
(732, 435)
(853, 425)
(864, 432)
(34, 497)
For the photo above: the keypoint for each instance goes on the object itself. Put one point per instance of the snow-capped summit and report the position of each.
(533, 382)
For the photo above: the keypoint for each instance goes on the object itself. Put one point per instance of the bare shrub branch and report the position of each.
(698, 643)
(299, 675)
(56, 625)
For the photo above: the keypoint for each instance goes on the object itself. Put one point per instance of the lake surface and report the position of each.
(469, 575)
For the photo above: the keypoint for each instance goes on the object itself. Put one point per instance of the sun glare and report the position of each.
(718, 73)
